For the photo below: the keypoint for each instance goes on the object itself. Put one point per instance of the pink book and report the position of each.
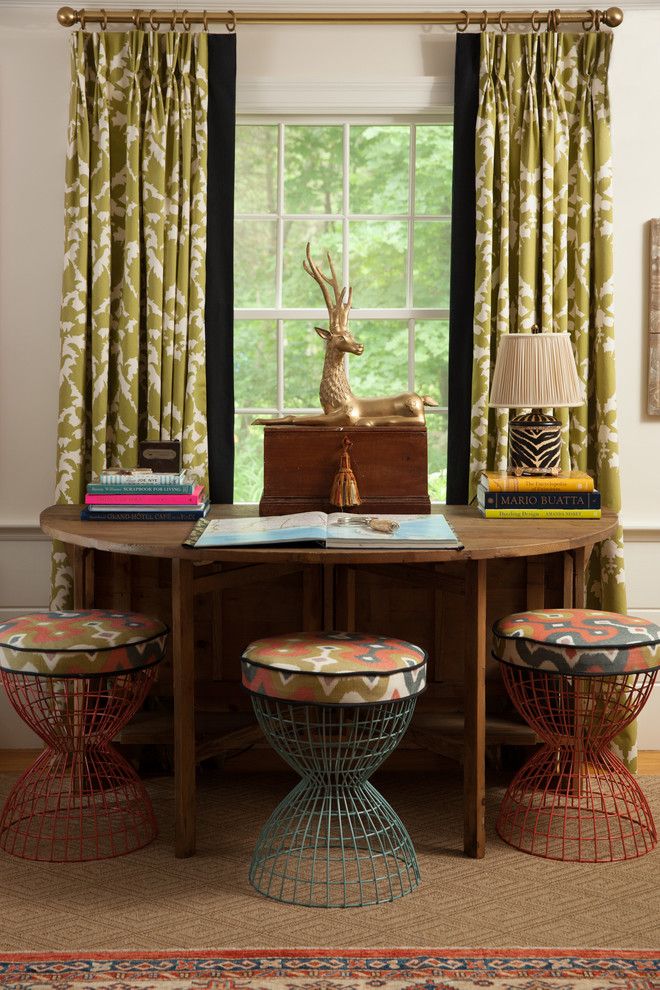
(191, 499)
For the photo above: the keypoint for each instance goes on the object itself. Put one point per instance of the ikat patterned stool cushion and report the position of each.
(335, 668)
(576, 641)
(81, 644)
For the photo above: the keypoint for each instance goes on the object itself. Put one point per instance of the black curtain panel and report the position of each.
(219, 315)
(463, 237)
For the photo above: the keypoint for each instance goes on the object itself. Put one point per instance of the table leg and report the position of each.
(345, 598)
(328, 597)
(580, 558)
(312, 598)
(535, 583)
(82, 559)
(568, 582)
(183, 661)
(474, 773)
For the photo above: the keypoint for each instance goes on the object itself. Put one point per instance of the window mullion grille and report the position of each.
(279, 263)
(345, 242)
(411, 213)
(280, 210)
(278, 315)
(411, 355)
(280, 366)
(412, 160)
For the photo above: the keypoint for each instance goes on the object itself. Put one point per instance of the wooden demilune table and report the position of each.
(483, 540)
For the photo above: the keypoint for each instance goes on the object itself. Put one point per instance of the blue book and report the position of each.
(133, 513)
(382, 531)
(537, 500)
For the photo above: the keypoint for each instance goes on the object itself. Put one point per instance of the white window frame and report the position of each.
(279, 314)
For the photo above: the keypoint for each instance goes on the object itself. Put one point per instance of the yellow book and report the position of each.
(565, 481)
(541, 513)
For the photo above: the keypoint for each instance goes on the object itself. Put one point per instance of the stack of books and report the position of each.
(568, 495)
(142, 495)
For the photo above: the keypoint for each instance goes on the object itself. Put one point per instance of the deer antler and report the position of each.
(339, 310)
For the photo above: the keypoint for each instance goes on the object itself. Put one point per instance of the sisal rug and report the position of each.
(299, 969)
(150, 901)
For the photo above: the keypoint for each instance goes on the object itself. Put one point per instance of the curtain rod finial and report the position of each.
(67, 16)
(613, 16)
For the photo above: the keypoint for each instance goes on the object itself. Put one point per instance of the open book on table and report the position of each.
(337, 530)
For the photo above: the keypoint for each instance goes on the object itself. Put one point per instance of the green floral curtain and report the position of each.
(544, 253)
(132, 319)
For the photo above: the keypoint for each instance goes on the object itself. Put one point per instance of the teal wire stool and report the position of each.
(334, 706)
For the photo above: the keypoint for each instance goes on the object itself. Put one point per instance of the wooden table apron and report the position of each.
(483, 540)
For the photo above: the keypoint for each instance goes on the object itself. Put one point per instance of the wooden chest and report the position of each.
(390, 465)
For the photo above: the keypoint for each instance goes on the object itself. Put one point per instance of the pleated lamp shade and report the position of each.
(535, 371)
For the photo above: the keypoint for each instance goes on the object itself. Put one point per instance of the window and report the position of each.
(377, 196)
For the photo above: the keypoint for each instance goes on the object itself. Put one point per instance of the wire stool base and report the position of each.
(80, 800)
(76, 807)
(334, 841)
(593, 811)
(574, 800)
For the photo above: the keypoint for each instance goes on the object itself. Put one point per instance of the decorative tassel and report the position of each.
(344, 490)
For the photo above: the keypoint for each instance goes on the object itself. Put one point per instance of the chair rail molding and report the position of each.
(20, 531)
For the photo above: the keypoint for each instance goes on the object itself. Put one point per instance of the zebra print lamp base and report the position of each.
(534, 444)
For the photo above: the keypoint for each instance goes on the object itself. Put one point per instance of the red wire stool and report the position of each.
(577, 677)
(76, 678)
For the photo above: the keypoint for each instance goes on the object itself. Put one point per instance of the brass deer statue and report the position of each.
(340, 406)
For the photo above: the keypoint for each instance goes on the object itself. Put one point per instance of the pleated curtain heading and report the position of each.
(133, 360)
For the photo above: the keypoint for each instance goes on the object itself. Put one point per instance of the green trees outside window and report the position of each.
(377, 196)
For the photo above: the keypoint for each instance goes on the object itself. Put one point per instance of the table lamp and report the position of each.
(535, 371)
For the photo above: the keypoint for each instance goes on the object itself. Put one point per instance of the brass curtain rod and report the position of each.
(589, 19)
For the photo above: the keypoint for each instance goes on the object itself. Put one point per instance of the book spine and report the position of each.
(186, 515)
(148, 498)
(538, 484)
(540, 500)
(195, 533)
(145, 479)
(103, 488)
(541, 513)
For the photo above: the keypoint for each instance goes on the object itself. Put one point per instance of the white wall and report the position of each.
(340, 69)
(635, 89)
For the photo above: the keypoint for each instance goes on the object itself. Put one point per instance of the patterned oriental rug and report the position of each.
(302, 969)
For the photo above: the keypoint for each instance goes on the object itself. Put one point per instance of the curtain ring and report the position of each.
(83, 19)
(599, 15)
(591, 24)
(136, 18)
(173, 20)
(231, 25)
(553, 20)
(556, 20)
(504, 27)
(104, 19)
(184, 20)
(465, 23)
(156, 25)
(205, 20)
(484, 21)
(536, 24)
